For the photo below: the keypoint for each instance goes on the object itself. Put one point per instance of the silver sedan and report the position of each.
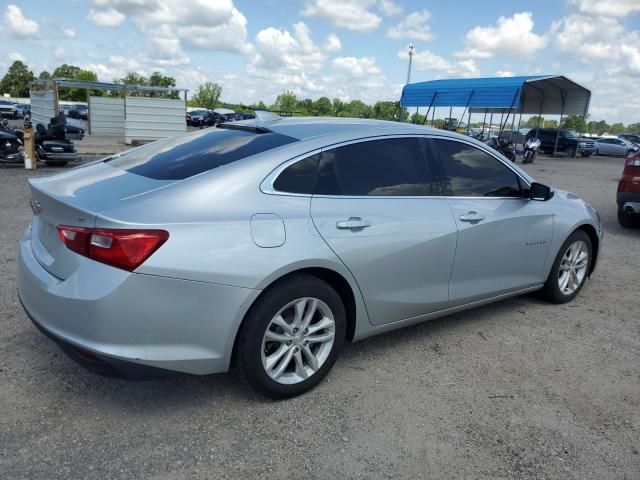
(614, 146)
(273, 242)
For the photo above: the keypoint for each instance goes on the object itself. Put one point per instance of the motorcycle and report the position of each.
(503, 145)
(11, 144)
(52, 145)
(531, 146)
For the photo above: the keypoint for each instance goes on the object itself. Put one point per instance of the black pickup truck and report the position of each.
(568, 142)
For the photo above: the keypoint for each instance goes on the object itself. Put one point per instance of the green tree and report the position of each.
(286, 102)
(390, 111)
(534, 122)
(158, 80)
(207, 95)
(634, 128)
(133, 78)
(599, 128)
(617, 129)
(416, 118)
(323, 107)
(261, 106)
(44, 75)
(66, 71)
(340, 108)
(17, 80)
(573, 122)
(550, 124)
(359, 109)
(305, 107)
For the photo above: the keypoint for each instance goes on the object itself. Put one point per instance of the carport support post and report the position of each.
(490, 124)
(555, 147)
(484, 121)
(584, 123)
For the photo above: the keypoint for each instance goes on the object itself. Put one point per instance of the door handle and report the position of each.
(472, 217)
(353, 222)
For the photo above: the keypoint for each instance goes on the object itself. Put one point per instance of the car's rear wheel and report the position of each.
(291, 337)
(570, 269)
(627, 219)
(570, 152)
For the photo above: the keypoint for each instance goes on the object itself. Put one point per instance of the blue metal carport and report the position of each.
(538, 95)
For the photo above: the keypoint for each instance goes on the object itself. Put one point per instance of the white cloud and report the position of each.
(16, 57)
(631, 53)
(333, 43)
(590, 38)
(413, 27)
(612, 8)
(389, 8)
(69, 32)
(429, 61)
(354, 15)
(511, 35)
(357, 67)
(505, 73)
(109, 17)
(196, 24)
(19, 25)
(59, 53)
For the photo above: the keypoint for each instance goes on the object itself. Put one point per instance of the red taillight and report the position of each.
(121, 248)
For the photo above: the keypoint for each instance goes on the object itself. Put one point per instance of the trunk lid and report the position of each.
(75, 198)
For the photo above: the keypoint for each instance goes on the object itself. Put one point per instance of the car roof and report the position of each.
(304, 128)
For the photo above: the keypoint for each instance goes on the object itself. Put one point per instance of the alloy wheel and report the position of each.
(573, 267)
(298, 340)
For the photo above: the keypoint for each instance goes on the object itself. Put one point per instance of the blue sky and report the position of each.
(336, 48)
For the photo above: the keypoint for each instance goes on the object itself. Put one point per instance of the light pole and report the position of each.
(412, 50)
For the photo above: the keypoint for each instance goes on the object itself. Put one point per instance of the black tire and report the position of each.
(249, 347)
(570, 152)
(627, 220)
(551, 291)
(54, 163)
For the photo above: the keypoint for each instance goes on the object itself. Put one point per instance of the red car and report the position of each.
(628, 198)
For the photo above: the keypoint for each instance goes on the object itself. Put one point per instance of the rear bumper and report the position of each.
(17, 157)
(629, 200)
(126, 322)
(59, 157)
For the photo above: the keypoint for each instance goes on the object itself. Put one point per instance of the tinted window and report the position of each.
(186, 155)
(390, 167)
(470, 172)
(298, 177)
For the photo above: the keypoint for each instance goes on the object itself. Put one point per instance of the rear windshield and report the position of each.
(187, 155)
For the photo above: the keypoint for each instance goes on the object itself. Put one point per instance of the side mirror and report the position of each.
(540, 192)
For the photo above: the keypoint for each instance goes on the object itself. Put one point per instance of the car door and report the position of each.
(503, 237)
(620, 147)
(605, 147)
(377, 207)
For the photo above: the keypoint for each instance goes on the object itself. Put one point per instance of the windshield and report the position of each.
(570, 134)
(183, 156)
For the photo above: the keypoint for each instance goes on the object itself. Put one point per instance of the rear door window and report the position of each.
(183, 156)
(298, 177)
(383, 167)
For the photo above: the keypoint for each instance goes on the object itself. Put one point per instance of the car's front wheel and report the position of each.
(570, 269)
(291, 336)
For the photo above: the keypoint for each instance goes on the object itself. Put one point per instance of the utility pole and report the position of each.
(412, 51)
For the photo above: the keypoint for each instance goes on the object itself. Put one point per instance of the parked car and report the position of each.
(568, 142)
(11, 144)
(80, 112)
(200, 118)
(628, 197)
(23, 110)
(614, 146)
(8, 109)
(275, 242)
(630, 138)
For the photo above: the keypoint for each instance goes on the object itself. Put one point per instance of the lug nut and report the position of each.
(306, 331)
(288, 342)
(295, 330)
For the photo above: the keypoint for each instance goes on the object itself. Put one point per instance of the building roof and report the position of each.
(547, 94)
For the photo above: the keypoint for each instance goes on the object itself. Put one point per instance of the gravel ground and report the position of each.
(518, 389)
